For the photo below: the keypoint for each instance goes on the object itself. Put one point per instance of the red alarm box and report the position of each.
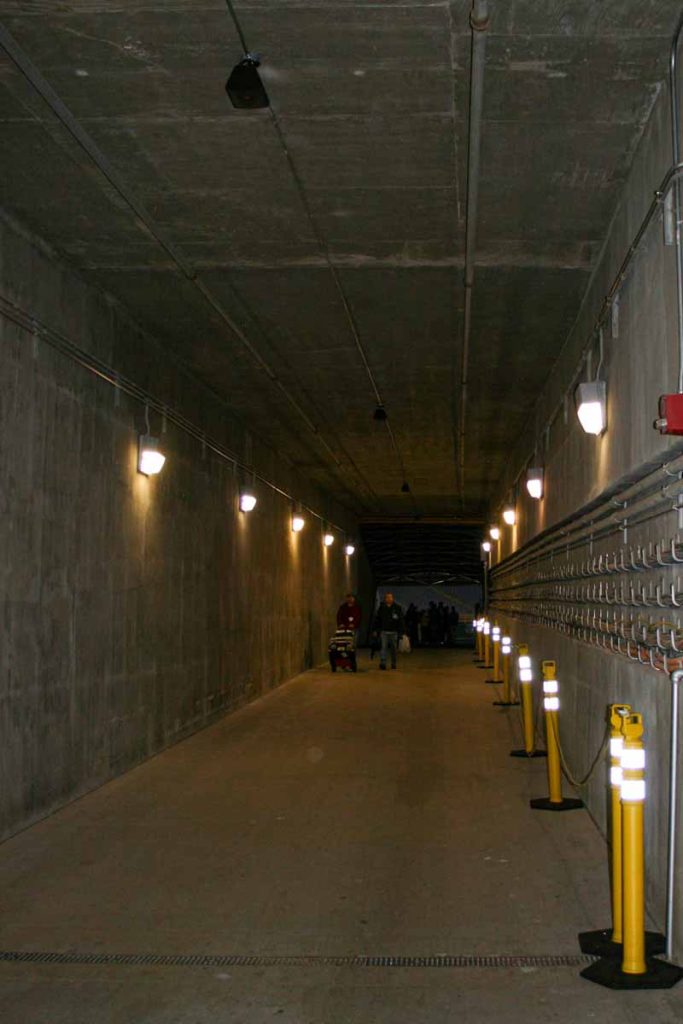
(670, 415)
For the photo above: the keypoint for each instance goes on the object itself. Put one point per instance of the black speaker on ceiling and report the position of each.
(244, 86)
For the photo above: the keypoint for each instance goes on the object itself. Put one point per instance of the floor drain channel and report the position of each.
(199, 960)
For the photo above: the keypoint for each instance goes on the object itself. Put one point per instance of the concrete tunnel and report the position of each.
(407, 279)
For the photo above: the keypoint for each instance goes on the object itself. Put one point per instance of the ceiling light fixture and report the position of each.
(509, 515)
(244, 86)
(591, 406)
(534, 482)
(150, 459)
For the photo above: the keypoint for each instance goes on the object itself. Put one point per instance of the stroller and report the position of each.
(342, 650)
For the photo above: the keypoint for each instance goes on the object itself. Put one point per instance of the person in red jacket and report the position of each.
(348, 616)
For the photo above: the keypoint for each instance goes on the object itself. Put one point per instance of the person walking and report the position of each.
(390, 625)
(349, 614)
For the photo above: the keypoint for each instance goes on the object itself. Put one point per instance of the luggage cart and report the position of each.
(342, 650)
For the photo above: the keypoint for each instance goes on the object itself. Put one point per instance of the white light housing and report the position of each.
(486, 546)
(633, 790)
(591, 406)
(328, 540)
(150, 459)
(298, 523)
(534, 482)
(349, 549)
(509, 516)
(633, 759)
(494, 533)
(550, 686)
(247, 501)
(551, 703)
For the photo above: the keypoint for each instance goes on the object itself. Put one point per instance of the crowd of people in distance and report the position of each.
(435, 626)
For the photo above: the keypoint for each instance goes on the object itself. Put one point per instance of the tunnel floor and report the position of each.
(342, 816)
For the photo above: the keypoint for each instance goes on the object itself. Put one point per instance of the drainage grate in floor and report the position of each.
(201, 960)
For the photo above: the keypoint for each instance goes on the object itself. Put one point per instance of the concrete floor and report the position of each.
(376, 813)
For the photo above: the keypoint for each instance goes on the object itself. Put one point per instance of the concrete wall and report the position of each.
(639, 365)
(134, 610)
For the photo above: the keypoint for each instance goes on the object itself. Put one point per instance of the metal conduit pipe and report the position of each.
(614, 505)
(33, 326)
(676, 153)
(479, 21)
(148, 225)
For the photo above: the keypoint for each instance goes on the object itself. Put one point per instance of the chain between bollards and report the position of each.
(594, 764)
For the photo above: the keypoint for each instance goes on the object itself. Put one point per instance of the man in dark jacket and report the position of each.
(390, 625)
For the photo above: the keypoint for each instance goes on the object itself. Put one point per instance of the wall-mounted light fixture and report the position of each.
(349, 549)
(247, 500)
(591, 406)
(150, 459)
(328, 539)
(494, 533)
(534, 482)
(486, 546)
(509, 515)
(298, 522)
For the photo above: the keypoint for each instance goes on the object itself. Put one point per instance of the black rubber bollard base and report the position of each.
(506, 703)
(485, 668)
(544, 804)
(494, 682)
(599, 943)
(608, 972)
(523, 753)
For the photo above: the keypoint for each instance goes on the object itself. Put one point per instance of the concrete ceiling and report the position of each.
(370, 101)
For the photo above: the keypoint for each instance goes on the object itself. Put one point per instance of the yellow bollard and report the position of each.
(479, 637)
(487, 644)
(607, 941)
(634, 970)
(506, 654)
(551, 706)
(495, 640)
(525, 678)
(632, 800)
